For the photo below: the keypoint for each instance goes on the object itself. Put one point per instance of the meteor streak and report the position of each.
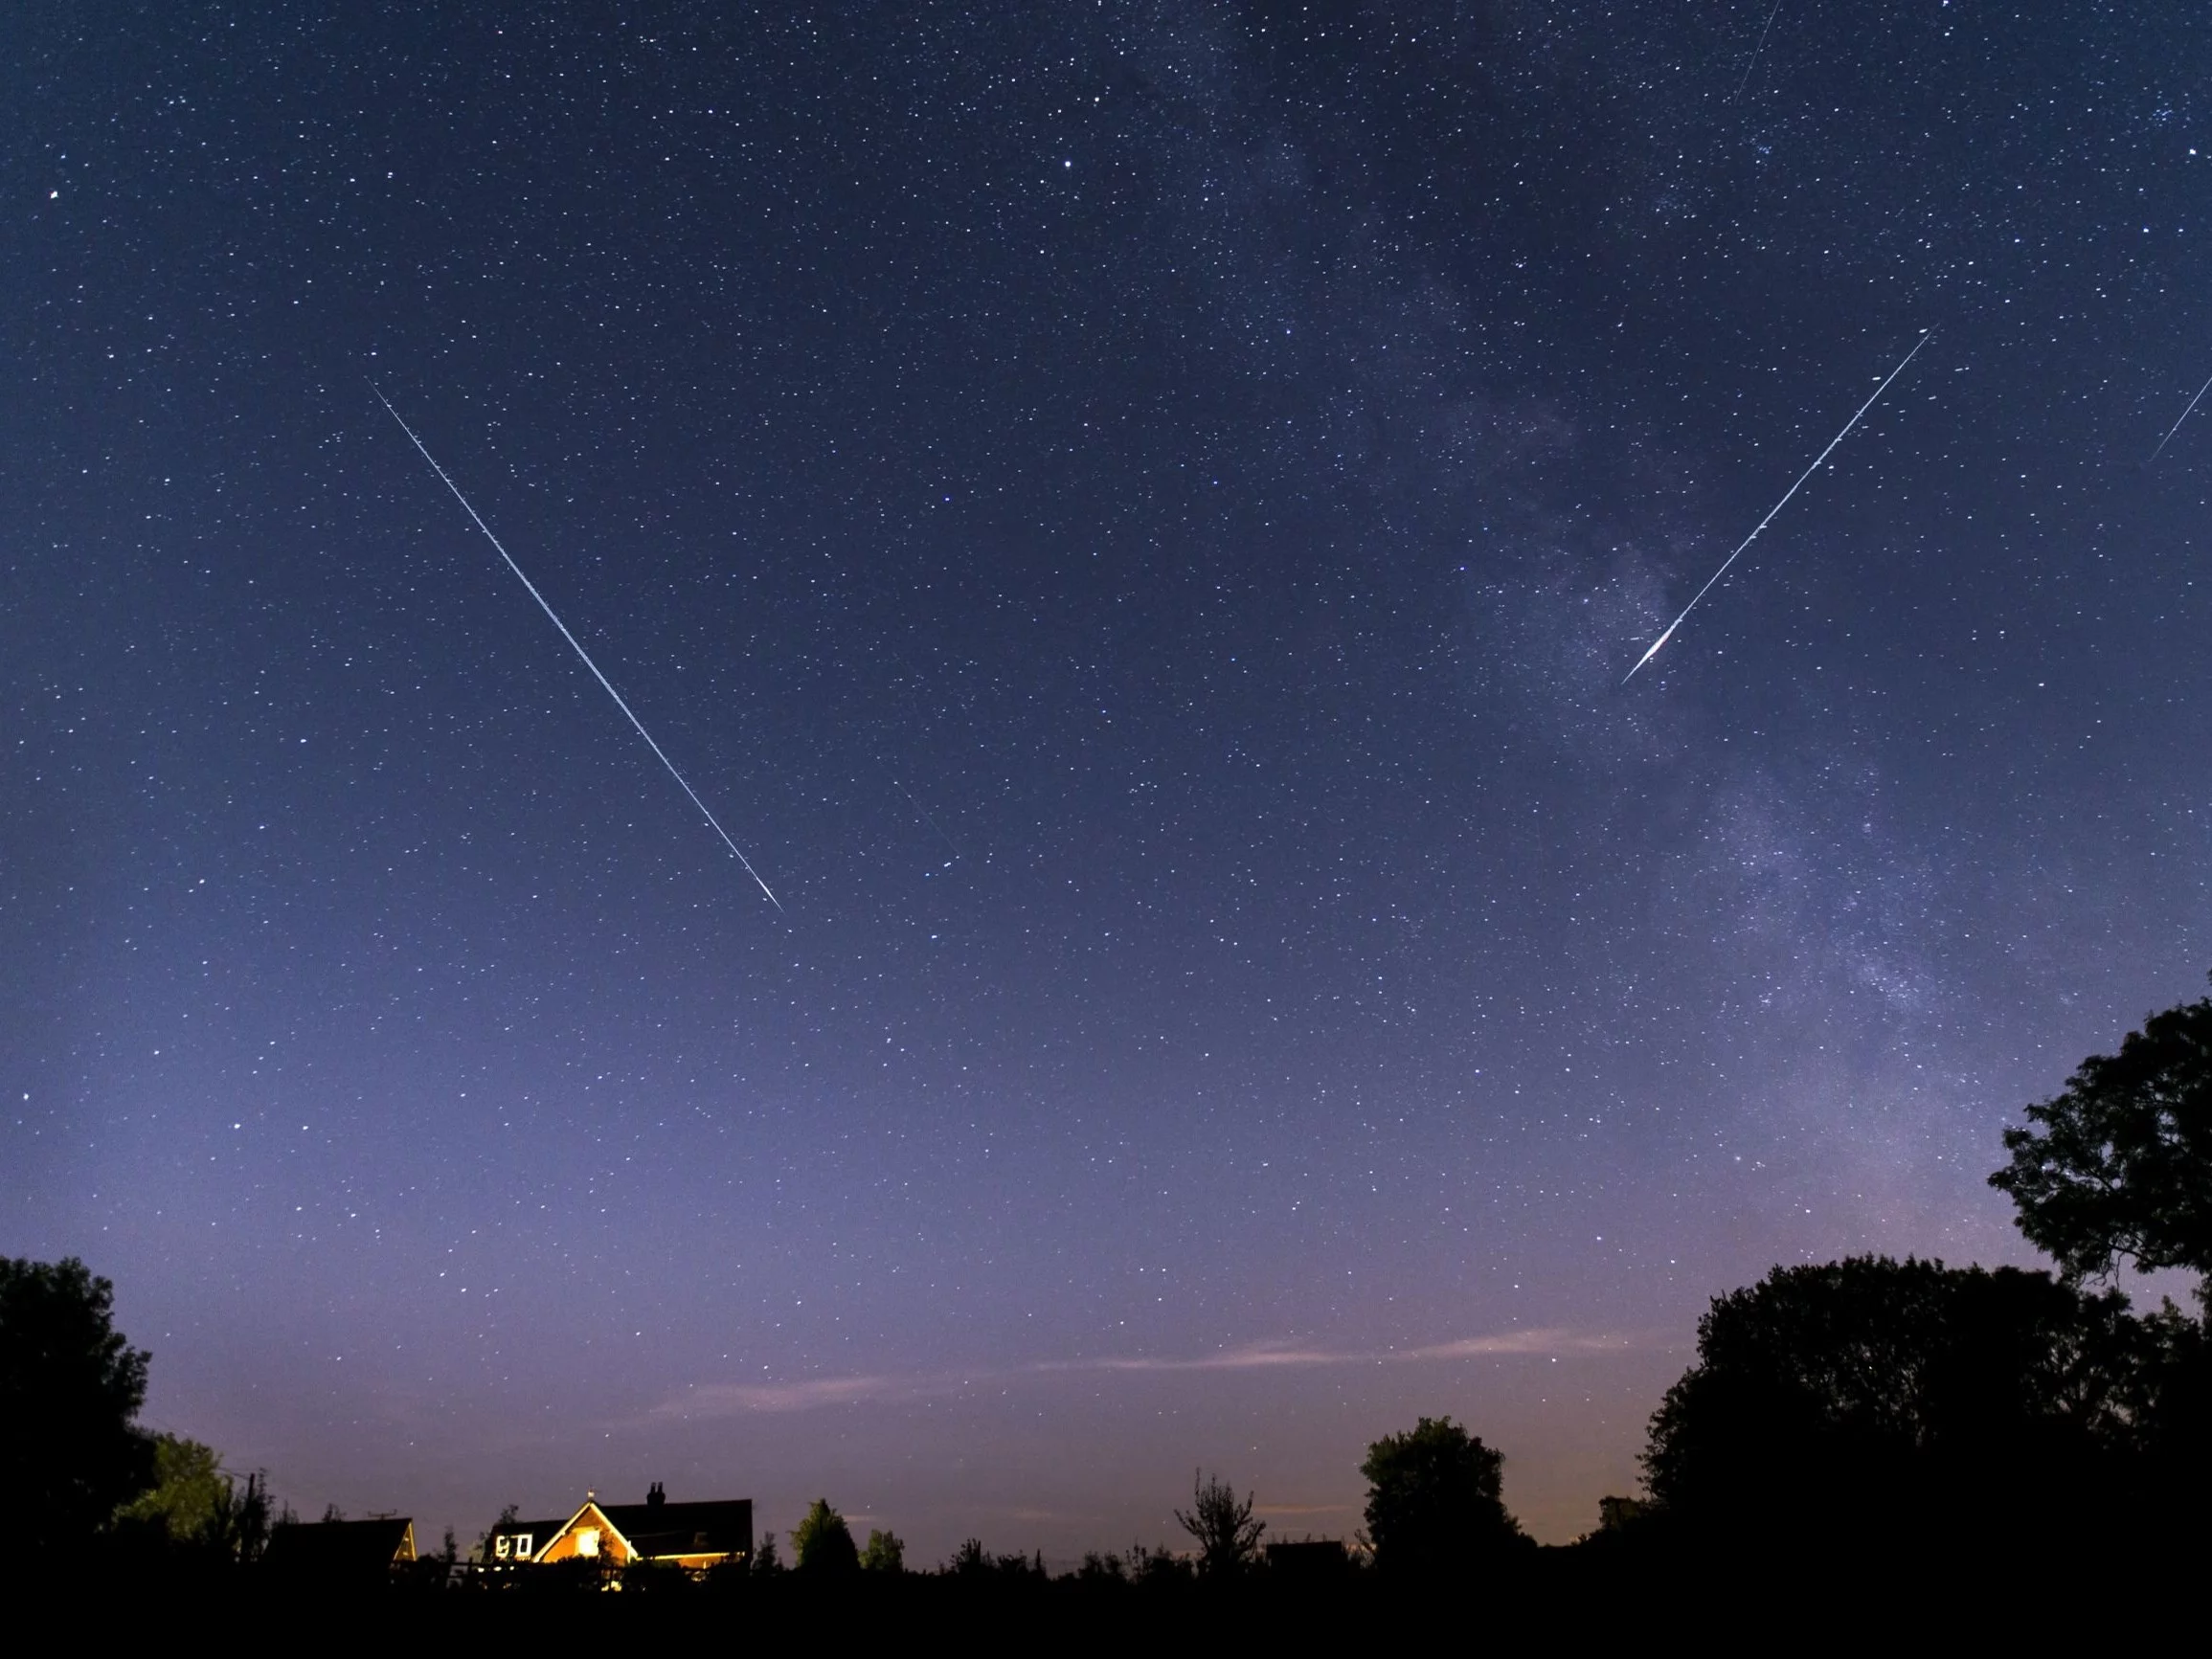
(579, 649)
(1773, 511)
(2177, 426)
(925, 816)
(1756, 50)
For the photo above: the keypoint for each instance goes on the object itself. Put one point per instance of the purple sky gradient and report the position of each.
(1136, 522)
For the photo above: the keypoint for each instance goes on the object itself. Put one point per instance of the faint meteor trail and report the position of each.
(579, 649)
(1773, 511)
(2177, 426)
(923, 814)
(1756, 50)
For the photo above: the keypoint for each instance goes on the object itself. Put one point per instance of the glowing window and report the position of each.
(522, 1543)
(499, 1546)
(587, 1540)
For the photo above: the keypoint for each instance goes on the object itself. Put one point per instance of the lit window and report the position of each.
(587, 1540)
(499, 1546)
(522, 1543)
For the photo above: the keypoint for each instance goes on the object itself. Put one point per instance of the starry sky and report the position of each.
(1135, 517)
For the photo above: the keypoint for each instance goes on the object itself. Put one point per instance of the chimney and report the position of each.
(656, 1498)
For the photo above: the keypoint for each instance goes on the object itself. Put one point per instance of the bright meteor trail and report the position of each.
(579, 650)
(1770, 511)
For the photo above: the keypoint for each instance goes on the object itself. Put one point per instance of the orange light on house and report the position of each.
(693, 1536)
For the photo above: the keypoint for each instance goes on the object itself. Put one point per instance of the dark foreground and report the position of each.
(1570, 1596)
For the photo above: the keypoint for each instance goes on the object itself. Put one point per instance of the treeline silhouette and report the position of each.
(1848, 1429)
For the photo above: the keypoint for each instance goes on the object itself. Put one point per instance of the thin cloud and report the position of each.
(1258, 1357)
(1547, 1341)
(739, 1399)
(731, 1398)
(1267, 1356)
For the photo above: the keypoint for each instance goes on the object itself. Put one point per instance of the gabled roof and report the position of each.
(326, 1548)
(590, 1514)
(657, 1531)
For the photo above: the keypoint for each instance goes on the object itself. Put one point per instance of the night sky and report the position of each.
(1135, 518)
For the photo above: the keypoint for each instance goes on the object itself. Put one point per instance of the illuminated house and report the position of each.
(693, 1536)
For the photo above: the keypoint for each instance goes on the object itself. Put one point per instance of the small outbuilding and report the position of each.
(340, 1551)
(1309, 1559)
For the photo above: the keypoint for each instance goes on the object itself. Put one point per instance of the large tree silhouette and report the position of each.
(1878, 1401)
(1434, 1507)
(70, 1389)
(2118, 1168)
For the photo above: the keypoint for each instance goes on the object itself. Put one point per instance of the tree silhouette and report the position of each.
(1156, 1568)
(2172, 1416)
(1102, 1568)
(1434, 1504)
(238, 1525)
(188, 1484)
(822, 1544)
(2118, 1167)
(1227, 1537)
(1877, 1400)
(70, 1389)
(886, 1553)
(196, 1513)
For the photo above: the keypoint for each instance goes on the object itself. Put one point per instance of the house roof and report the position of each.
(339, 1547)
(719, 1528)
(539, 1533)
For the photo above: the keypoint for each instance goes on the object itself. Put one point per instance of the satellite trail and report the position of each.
(2177, 426)
(1770, 511)
(579, 649)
